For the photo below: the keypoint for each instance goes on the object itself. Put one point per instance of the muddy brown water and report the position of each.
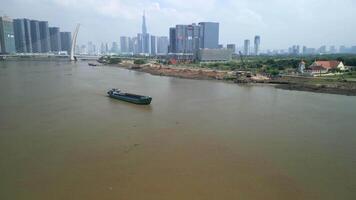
(62, 138)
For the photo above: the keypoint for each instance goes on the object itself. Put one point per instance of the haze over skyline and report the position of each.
(281, 23)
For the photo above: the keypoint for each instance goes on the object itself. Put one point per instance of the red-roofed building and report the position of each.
(322, 67)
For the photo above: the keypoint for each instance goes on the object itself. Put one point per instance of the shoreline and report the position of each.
(286, 83)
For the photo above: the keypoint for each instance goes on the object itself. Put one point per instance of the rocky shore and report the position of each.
(330, 86)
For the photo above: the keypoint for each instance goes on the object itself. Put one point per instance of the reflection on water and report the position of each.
(61, 137)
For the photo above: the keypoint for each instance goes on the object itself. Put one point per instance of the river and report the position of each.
(62, 138)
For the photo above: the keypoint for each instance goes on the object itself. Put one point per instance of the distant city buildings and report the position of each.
(185, 41)
(144, 43)
(32, 36)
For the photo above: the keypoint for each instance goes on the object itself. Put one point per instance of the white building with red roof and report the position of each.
(322, 67)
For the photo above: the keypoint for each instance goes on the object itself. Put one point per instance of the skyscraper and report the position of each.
(114, 48)
(232, 47)
(247, 47)
(139, 44)
(145, 43)
(7, 38)
(124, 44)
(102, 49)
(145, 37)
(55, 38)
(209, 35)
(172, 40)
(257, 44)
(181, 38)
(35, 36)
(162, 45)
(20, 40)
(44, 37)
(66, 42)
(131, 44)
(187, 38)
(144, 27)
(153, 45)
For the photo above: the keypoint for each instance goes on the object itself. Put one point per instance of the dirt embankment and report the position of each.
(286, 82)
(190, 73)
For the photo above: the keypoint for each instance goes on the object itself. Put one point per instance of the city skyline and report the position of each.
(239, 20)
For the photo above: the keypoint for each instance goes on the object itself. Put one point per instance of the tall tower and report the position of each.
(145, 37)
(144, 27)
(257, 44)
(247, 47)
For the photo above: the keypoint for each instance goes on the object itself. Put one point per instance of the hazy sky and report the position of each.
(280, 23)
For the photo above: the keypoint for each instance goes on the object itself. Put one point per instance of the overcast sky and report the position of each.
(280, 23)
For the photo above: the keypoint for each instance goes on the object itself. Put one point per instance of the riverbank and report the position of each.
(179, 72)
(318, 85)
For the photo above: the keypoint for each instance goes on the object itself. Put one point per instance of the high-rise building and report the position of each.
(44, 37)
(7, 37)
(35, 36)
(145, 37)
(28, 37)
(139, 44)
(135, 45)
(181, 38)
(114, 48)
(232, 47)
(106, 48)
(102, 49)
(66, 41)
(131, 44)
(162, 45)
(322, 49)
(55, 38)
(247, 47)
(153, 45)
(257, 45)
(124, 44)
(343, 49)
(20, 40)
(332, 49)
(172, 40)
(23, 39)
(187, 39)
(209, 35)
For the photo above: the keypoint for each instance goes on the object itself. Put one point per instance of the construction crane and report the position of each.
(242, 60)
(247, 74)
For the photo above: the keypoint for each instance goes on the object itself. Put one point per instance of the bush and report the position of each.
(114, 60)
(140, 62)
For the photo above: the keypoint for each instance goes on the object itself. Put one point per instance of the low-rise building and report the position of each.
(322, 67)
(214, 55)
